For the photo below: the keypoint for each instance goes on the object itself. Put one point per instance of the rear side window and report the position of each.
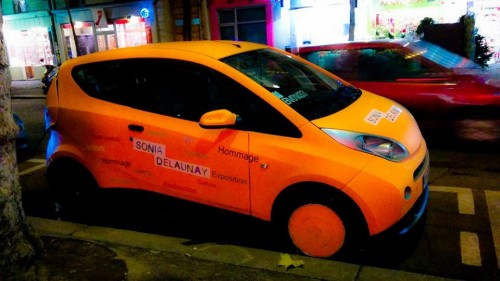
(168, 87)
(179, 89)
(369, 64)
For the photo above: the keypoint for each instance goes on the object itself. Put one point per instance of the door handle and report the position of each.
(137, 128)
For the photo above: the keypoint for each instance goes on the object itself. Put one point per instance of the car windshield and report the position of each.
(439, 55)
(308, 91)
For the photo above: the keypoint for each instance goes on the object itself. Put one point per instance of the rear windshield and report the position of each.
(308, 91)
(440, 55)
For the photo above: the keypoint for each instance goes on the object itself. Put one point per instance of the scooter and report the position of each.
(48, 76)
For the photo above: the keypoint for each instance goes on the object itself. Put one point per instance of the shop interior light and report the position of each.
(134, 19)
(78, 24)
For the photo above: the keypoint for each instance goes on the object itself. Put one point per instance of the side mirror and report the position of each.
(219, 118)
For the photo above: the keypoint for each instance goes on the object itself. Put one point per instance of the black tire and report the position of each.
(72, 188)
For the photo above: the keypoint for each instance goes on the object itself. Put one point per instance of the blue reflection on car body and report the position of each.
(22, 135)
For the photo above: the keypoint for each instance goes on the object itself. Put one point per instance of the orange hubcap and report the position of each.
(316, 230)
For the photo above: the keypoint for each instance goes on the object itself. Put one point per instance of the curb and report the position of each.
(229, 254)
(27, 97)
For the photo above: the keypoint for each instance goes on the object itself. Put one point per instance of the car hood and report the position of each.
(376, 115)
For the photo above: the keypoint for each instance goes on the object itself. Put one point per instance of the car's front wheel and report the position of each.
(320, 223)
(317, 230)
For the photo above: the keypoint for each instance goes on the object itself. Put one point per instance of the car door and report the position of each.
(95, 110)
(275, 146)
(169, 151)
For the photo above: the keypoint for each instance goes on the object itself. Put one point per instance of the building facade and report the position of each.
(39, 32)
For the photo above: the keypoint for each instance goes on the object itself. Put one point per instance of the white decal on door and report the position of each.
(161, 160)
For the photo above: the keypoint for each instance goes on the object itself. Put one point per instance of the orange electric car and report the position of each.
(243, 127)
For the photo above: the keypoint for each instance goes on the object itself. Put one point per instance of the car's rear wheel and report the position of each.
(72, 187)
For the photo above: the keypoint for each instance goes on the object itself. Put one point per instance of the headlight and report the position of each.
(376, 145)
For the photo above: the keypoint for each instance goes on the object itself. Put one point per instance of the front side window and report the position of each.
(308, 91)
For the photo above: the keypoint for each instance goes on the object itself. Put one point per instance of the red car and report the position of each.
(440, 88)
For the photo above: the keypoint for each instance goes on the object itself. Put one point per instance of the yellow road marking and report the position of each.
(464, 196)
(469, 245)
(34, 168)
(36, 160)
(493, 202)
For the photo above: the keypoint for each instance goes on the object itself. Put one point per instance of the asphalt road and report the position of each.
(459, 238)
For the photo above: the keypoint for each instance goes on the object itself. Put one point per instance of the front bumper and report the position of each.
(413, 216)
(407, 222)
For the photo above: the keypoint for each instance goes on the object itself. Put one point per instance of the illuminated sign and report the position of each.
(144, 13)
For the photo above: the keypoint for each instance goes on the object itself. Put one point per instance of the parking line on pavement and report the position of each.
(469, 245)
(34, 168)
(493, 203)
(36, 160)
(464, 196)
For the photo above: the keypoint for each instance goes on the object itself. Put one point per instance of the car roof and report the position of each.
(213, 49)
(353, 45)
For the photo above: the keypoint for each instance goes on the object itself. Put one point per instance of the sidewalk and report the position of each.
(26, 89)
(80, 252)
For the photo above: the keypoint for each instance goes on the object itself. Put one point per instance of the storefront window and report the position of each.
(127, 32)
(487, 22)
(400, 19)
(106, 38)
(85, 40)
(131, 32)
(321, 24)
(28, 47)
